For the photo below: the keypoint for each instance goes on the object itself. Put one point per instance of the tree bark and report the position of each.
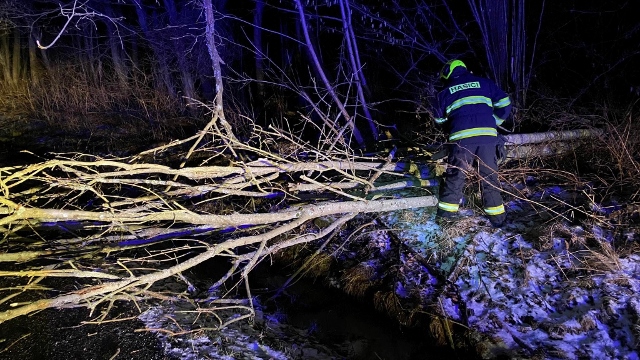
(180, 52)
(5, 57)
(534, 138)
(35, 68)
(36, 215)
(217, 69)
(540, 150)
(354, 60)
(257, 45)
(116, 46)
(491, 17)
(17, 58)
(161, 69)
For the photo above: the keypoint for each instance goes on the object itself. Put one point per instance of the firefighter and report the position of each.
(470, 108)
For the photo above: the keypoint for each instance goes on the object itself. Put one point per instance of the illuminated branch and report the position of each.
(94, 295)
(70, 14)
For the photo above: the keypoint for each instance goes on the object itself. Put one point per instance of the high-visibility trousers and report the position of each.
(461, 160)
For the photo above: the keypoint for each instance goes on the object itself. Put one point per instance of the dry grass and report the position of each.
(319, 265)
(613, 159)
(622, 148)
(458, 228)
(71, 101)
(356, 281)
(315, 264)
(543, 236)
(604, 170)
(293, 255)
(437, 328)
(73, 91)
(602, 259)
(388, 302)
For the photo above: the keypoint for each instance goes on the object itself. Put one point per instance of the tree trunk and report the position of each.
(90, 63)
(491, 17)
(5, 57)
(217, 69)
(552, 143)
(257, 45)
(533, 138)
(37, 34)
(35, 69)
(17, 57)
(180, 51)
(354, 60)
(540, 150)
(117, 48)
(118, 60)
(161, 69)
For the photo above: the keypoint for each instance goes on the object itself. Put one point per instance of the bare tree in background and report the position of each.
(257, 44)
(181, 45)
(161, 66)
(216, 60)
(503, 27)
(356, 65)
(12, 68)
(350, 122)
(427, 34)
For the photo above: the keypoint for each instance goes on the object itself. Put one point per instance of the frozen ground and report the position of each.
(234, 342)
(542, 287)
(539, 287)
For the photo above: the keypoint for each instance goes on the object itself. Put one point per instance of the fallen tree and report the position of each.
(263, 204)
(115, 206)
(123, 224)
(550, 143)
(566, 135)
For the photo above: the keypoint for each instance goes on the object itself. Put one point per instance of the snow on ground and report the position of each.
(561, 293)
(228, 344)
(535, 289)
(525, 300)
(186, 334)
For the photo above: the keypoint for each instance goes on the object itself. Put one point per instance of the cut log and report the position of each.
(551, 143)
(539, 150)
(534, 138)
(36, 215)
(394, 185)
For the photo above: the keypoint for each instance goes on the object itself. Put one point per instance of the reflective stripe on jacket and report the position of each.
(471, 107)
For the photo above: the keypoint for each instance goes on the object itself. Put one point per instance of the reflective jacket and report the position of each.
(471, 108)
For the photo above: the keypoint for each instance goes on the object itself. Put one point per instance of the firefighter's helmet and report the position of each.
(448, 68)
